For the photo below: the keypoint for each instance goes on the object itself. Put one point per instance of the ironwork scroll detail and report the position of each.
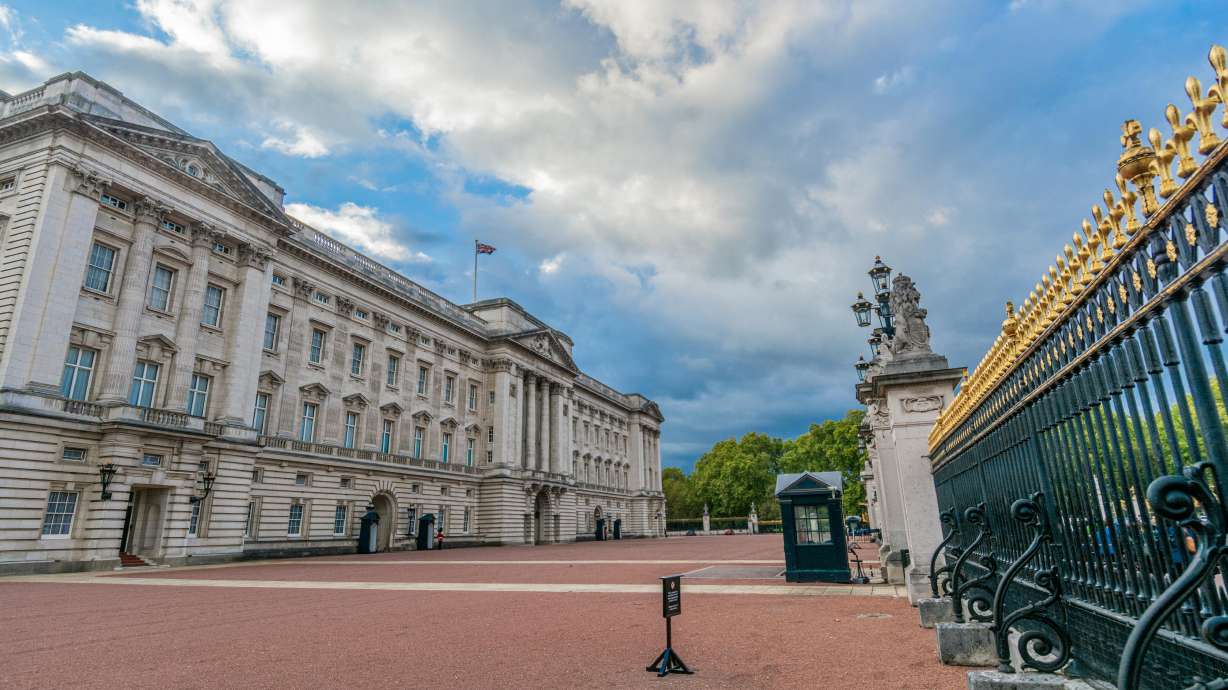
(1175, 497)
(1045, 638)
(940, 578)
(978, 594)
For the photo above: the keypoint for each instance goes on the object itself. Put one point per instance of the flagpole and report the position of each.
(475, 270)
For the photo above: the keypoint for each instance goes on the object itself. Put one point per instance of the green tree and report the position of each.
(736, 473)
(680, 497)
(827, 447)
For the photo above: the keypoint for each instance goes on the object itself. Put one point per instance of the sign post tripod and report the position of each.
(671, 605)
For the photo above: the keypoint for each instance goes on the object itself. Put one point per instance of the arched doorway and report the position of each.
(541, 514)
(386, 507)
(599, 523)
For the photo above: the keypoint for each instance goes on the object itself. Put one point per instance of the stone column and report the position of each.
(188, 325)
(562, 431)
(243, 338)
(501, 416)
(53, 226)
(128, 308)
(543, 442)
(530, 424)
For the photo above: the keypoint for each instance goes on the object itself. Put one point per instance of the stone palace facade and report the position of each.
(188, 374)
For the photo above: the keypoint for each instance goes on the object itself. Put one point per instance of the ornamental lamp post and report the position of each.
(880, 274)
(861, 309)
(861, 366)
(106, 473)
(206, 481)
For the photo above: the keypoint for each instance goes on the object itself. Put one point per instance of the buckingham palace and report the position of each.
(190, 375)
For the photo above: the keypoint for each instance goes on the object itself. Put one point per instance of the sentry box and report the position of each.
(812, 519)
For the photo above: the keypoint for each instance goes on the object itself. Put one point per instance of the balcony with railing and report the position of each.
(364, 455)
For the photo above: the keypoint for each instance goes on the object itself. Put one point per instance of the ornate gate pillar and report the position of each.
(905, 389)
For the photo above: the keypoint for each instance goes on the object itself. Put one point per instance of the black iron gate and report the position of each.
(1078, 469)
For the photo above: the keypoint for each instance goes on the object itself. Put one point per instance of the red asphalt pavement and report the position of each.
(133, 636)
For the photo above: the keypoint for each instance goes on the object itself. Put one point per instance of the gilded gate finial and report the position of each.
(1163, 163)
(1200, 117)
(1127, 205)
(1093, 242)
(1219, 62)
(1134, 164)
(1182, 135)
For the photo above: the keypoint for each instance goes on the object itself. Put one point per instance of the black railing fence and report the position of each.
(1079, 467)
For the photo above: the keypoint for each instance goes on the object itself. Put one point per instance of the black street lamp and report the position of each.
(880, 274)
(106, 473)
(861, 365)
(206, 481)
(880, 278)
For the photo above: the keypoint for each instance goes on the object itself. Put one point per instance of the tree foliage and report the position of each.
(737, 472)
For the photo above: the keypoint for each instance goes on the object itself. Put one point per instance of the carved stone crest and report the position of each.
(925, 403)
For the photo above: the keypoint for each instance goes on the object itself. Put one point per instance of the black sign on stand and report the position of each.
(671, 605)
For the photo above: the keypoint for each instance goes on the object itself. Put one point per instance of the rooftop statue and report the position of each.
(912, 335)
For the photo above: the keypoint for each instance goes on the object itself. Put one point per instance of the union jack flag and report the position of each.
(484, 248)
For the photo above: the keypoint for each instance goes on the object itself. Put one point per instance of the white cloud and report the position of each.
(359, 226)
(301, 141)
(885, 83)
(551, 265)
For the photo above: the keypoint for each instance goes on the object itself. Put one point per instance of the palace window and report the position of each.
(491, 398)
(172, 226)
(351, 430)
(249, 524)
(339, 521)
(61, 507)
(101, 267)
(78, 368)
(307, 429)
(295, 526)
(160, 288)
(223, 249)
(419, 433)
(490, 456)
(302, 479)
(8, 184)
(151, 460)
(385, 439)
(257, 475)
(394, 367)
(73, 454)
(449, 388)
(198, 395)
(114, 202)
(318, 338)
(411, 516)
(279, 280)
(211, 314)
(321, 298)
(360, 314)
(423, 376)
(347, 482)
(490, 434)
(272, 328)
(473, 396)
(445, 446)
(357, 356)
(394, 327)
(465, 524)
(194, 520)
(260, 414)
(469, 445)
(813, 524)
(144, 383)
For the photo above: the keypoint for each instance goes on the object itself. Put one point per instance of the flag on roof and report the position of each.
(485, 248)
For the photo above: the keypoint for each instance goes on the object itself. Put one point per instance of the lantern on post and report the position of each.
(861, 309)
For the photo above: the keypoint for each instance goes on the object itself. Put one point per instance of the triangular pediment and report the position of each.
(270, 379)
(808, 483)
(545, 344)
(422, 416)
(473, 428)
(155, 347)
(448, 423)
(314, 391)
(355, 400)
(391, 409)
(195, 158)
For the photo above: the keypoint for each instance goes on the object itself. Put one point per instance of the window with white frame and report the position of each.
(445, 447)
(385, 439)
(211, 314)
(151, 460)
(351, 430)
(78, 369)
(73, 454)
(321, 298)
(101, 268)
(357, 355)
(419, 434)
(114, 202)
(470, 443)
(340, 513)
(8, 184)
(465, 524)
(307, 428)
(261, 412)
(61, 507)
(360, 314)
(473, 396)
(194, 520)
(172, 226)
(394, 366)
(223, 249)
(257, 475)
(279, 280)
(318, 339)
(294, 527)
(449, 388)
(272, 329)
(347, 482)
(490, 434)
(424, 374)
(411, 516)
(144, 383)
(490, 456)
(249, 524)
(441, 523)
(302, 479)
(160, 288)
(198, 395)
(490, 397)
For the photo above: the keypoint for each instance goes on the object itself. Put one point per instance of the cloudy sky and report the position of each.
(691, 190)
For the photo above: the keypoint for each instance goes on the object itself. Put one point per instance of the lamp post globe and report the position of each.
(861, 309)
(880, 275)
(861, 366)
